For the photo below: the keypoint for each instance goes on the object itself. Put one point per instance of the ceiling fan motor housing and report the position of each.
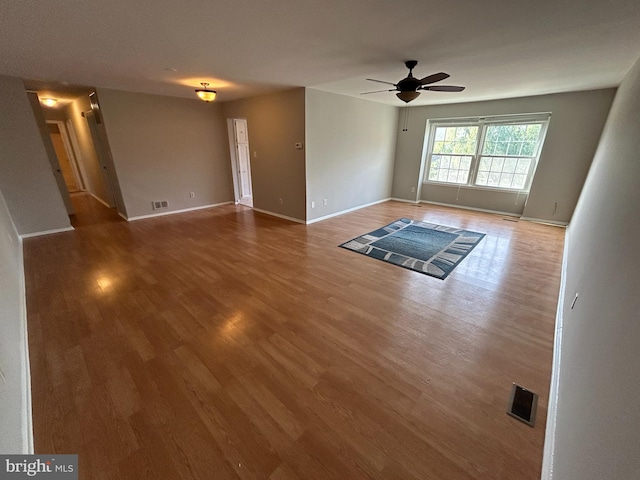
(409, 84)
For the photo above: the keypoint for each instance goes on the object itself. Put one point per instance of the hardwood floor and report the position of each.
(89, 211)
(225, 343)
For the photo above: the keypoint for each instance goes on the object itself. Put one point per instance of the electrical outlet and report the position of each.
(280, 200)
(324, 202)
(413, 189)
(192, 194)
(313, 204)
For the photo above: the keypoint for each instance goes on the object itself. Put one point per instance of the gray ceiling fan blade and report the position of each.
(436, 77)
(380, 81)
(443, 88)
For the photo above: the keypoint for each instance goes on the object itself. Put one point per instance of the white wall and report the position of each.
(276, 122)
(15, 404)
(576, 123)
(350, 149)
(26, 177)
(164, 148)
(597, 426)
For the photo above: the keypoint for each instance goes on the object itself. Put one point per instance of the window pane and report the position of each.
(523, 165)
(519, 181)
(505, 180)
(460, 140)
(485, 164)
(449, 168)
(514, 148)
(516, 140)
(528, 149)
(509, 165)
(496, 165)
(501, 148)
(494, 179)
(482, 178)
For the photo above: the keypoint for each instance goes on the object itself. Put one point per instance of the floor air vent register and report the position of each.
(522, 404)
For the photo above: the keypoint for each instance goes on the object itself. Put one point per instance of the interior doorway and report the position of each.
(66, 156)
(240, 161)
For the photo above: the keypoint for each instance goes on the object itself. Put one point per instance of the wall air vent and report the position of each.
(162, 204)
(522, 404)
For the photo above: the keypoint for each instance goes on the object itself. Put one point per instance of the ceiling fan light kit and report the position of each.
(205, 94)
(409, 87)
(407, 97)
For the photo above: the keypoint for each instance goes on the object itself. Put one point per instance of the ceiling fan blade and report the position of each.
(378, 91)
(380, 81)
(443, 88)
(436, 77)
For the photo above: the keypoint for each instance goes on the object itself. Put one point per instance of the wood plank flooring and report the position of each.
(225, 343)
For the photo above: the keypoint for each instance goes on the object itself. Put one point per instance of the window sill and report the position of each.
(477, 187)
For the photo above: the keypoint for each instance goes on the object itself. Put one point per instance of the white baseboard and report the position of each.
(171, 212)
(47, 232)
(404, 200)
(552, 409)
(545, 222)
(464, 207)
(342, 212)
(267, 212)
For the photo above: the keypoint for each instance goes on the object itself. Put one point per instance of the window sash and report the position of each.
(474, 177)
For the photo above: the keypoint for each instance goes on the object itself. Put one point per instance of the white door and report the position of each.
(243, 161)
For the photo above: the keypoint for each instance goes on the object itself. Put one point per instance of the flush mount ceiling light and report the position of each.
(206, 94)
(49, 102)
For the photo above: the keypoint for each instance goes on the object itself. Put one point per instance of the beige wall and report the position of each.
(26, 177)
(350, 148)
(276, 122)
(164, 148)
(597, 425)
(15, 436)
(576, 123)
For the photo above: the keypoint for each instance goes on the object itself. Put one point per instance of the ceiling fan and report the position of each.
(409, 88)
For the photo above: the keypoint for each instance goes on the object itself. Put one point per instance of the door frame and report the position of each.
(73, 161)
(235, 166)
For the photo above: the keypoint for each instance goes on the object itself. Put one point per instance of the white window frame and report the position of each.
(483, 123)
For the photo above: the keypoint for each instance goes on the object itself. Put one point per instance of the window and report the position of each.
(496, 152)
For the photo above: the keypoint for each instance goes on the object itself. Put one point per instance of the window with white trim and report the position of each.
(491, 152)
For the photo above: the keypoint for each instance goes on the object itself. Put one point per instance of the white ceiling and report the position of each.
(496, 48)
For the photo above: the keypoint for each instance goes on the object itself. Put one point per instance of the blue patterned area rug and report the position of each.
(424, 247)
